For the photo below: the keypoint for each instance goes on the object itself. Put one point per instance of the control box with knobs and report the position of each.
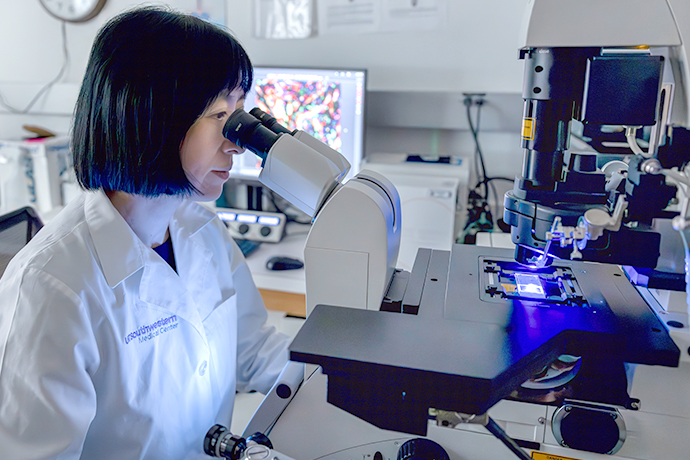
(263, 226)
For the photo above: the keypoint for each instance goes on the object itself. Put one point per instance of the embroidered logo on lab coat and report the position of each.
(153, 330)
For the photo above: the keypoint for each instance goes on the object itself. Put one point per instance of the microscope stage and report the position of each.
(483, 325)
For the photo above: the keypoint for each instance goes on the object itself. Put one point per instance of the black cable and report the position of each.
(485, 187)
(490, 185)
(498, 432)
(480, 217)
(489, 180)
(477, 151)
(65, 61)
(509, 179)
(475, 134)
(486, 181)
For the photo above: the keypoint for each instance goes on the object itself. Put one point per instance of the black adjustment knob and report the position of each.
(265, 231)
(243, 228)
(583, 162)
(221, 443)
(260, 438)
(422, 449)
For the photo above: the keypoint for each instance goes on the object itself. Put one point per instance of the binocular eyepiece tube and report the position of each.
(256, 131)
(269, 121)
(247, 132)
(295, 165)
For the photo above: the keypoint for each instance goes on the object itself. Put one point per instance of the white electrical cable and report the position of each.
(630, 132)
(65, 62)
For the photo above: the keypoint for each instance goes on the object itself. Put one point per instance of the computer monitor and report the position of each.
(326, 103)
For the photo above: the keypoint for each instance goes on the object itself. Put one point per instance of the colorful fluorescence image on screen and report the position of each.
(312, 106)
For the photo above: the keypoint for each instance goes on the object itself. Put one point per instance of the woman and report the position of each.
(129, 322)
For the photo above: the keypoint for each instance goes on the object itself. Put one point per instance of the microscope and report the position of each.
(554, 348)
(350, 252)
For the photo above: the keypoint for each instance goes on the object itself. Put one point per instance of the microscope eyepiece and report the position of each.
(248, 132)
(269, 121)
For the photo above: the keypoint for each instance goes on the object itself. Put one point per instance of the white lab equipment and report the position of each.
(432, 199)
(462, 344)
(352, 247)
(30, 174)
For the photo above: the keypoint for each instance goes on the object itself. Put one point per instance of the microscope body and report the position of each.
(590, 86)
(615, 76)
(350, 253)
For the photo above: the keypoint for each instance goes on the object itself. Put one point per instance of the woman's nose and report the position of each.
(231, 148)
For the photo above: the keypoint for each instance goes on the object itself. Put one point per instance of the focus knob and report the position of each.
(422, 449)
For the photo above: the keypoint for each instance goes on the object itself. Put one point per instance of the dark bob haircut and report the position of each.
(152, 72)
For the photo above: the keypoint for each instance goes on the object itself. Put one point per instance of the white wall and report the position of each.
(31, 55)
(475, 51)
(416, 78)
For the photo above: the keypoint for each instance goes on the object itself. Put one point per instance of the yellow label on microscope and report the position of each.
(528, 128)
(545, 456)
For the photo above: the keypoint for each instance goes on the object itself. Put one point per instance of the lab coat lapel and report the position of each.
(192, 292)
(162, 289)
(193, 265)
(121, 253)
(195, 261)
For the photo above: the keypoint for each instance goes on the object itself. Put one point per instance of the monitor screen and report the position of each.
(326, 103)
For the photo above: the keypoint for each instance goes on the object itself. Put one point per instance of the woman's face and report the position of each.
(206, 154)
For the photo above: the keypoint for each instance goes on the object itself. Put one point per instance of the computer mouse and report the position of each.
(284, 263)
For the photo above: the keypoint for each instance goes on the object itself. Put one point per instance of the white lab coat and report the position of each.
(106, 353)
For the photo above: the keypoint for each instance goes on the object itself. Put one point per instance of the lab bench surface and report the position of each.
(282, 290)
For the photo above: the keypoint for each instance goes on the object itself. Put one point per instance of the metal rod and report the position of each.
(505, 439)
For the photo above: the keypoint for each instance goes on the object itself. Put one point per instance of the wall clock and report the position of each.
(73, 10)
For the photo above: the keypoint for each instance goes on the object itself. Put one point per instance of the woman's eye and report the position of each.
(220, 115)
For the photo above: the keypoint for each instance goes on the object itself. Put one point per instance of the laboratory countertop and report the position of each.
(292, 245)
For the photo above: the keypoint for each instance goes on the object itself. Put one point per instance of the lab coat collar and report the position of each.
(195, 218)
(119, 250)
(121, 254)
(110, 234)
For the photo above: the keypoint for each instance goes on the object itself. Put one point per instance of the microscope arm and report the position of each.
(352, 248)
